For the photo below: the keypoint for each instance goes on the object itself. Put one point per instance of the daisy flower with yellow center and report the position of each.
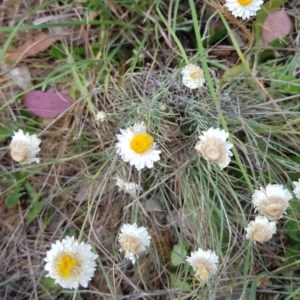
(137, 147)
(193, 76)
(133, 240)
(24, 147)
(213, 146)
(70, 263)
(260, 230)
(243, 8)
(272, 201)
(204, 263)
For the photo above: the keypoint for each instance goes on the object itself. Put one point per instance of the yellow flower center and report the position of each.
(202, 274)
(245, 2)
(66, 266)
(141, 143)
(196, 74)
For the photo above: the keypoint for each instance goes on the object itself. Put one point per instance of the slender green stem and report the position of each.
(235, 44)
(138, 195)
(213, 92)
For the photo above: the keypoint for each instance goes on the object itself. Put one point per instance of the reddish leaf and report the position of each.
(47, 104)
(277, 25)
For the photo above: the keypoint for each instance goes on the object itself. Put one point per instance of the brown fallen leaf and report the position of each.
(32, 47)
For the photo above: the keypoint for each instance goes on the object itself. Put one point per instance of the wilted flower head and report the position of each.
(101, 116)
(70, 263)
(24, 147)
(214, 147)
(204, 263)
(193, 76)
(260, 230)
(243, 8)
(128, 187)
(137, 147)
(21, 77)
(296, 190)
(273, 201)
(133, 240)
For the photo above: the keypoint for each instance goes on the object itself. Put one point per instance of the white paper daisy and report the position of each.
(214, 147)
(244, 8)
(70, 263)
(272, 201)
(137, 147)
(193, 76)
(296, 190)
(24, 147)
(204, 263)
(127, 187)
(260, 230)
(133, 240)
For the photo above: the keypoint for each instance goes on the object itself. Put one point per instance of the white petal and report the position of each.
(82, 252)
(128, 155)
(243, 11)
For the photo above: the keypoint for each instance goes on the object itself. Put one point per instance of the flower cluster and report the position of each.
(271, 204)
(137, 147)
(72, 264)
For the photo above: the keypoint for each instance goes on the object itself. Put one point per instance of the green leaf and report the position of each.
(34, 212)
(50, 285)
(14, 196)
(279, 43)
(234, 72)
(179, 284)
(289, 83)
(33, 195)
(36, 206)
(179, 253)
(57, 52)
(16, 189)
(291, 253)
(6, 131)
(215, 35)
(292, 226)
